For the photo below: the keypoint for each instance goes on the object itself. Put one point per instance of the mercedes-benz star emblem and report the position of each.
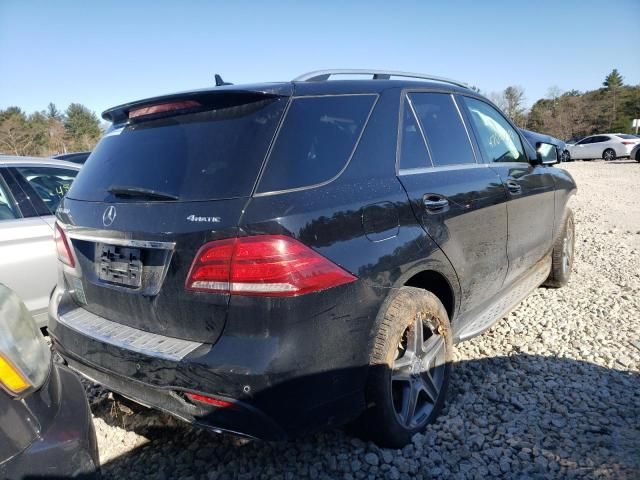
(109, 216)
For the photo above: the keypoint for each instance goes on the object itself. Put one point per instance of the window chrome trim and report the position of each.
(442, 168)
(113, 238)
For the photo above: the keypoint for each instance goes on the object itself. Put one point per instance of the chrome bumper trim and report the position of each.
(126, 337)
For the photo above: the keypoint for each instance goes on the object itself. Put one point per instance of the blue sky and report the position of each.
(106, 53)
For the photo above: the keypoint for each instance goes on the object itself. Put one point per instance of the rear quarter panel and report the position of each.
(362, 221)
(28, 262)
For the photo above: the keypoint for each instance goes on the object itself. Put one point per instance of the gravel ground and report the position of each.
(551, 391)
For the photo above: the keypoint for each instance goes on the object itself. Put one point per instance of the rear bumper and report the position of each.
(625, 151)
(67, 448)
(240, 419)
(296, 376)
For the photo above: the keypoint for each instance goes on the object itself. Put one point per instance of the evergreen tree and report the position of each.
(613, 83)
(82, 127)
(613, 80)
(53, 112)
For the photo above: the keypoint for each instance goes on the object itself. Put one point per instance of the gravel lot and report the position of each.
(551, 391)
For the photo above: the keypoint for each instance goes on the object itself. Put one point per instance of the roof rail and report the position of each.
(322, 75)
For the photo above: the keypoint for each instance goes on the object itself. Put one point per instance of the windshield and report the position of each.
(206, 155)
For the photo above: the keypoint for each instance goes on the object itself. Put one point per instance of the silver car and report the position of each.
(30, 191)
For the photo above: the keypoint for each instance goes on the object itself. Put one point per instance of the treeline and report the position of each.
(572, 114)
(48, 132)
(564, 115)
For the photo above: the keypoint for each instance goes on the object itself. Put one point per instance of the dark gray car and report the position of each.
(46, 430)
(535, 138)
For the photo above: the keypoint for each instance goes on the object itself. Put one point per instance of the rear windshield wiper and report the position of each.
(139, 192)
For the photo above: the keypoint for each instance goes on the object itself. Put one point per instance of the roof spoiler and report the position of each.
(232, 95)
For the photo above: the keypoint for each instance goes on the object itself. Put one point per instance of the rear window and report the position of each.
(50, 183)
(316, 140)
(205, 155)
(626, 136)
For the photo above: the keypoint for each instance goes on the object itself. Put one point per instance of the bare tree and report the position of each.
(511, 102)
(498, 99)
(57, 143)
(514, 102)
(15, 136)
(554, 92)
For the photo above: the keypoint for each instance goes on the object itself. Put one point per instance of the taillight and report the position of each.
(629, 143)
(270, 265)
(62, 246)
(196, 397)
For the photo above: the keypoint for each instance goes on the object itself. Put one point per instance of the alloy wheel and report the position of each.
(418, 371)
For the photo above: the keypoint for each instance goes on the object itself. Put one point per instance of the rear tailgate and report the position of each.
(134, 274)
(150, 195)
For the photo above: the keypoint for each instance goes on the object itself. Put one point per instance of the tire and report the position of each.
(402, 378)
(562, 255)
(609, 154)
(566, 156)
(638, 156)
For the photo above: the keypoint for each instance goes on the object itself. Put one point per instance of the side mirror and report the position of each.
(547, 154)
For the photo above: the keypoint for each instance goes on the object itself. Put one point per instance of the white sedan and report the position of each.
(608, 146)
(30, 190)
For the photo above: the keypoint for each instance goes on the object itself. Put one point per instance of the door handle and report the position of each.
(513, 186)
(435, 203)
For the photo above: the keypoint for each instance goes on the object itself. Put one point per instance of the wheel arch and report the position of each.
(432, 272)
(442, 282)
(436, 283)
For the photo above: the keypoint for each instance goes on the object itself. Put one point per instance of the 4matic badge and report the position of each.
(198, 219)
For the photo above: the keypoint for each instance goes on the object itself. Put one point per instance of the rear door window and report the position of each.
(204, 155)
(316, 140)
(443, 129)
(49, 183)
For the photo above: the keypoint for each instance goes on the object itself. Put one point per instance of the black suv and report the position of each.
(275, 258)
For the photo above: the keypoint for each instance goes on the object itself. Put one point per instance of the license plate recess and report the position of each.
(119, 265)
